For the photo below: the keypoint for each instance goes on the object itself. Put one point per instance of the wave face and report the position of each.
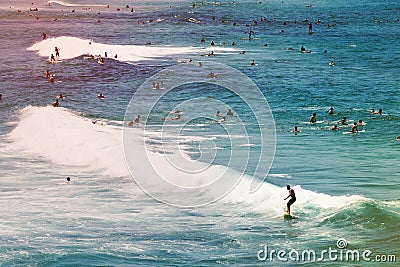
(66, 138)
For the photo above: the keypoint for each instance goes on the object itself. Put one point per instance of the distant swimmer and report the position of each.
(335, 128)
(229, 113)
(200, 64)
(101, 61)
(398, 137)
(360, 122)
(51, 79)
(44, 35)
(296, 130)
(354, 128)
(313, 118)
(330, 111)
(47, 74)
(221, 120)
(212, 43)
(57, 50)
(137, 119)
(52, 58)
(292, 198)
(61, 96)
(101, 96)
(332, 63)
(68, 180)
(242, 52)
(203, 40)
(302, 49)
(211, 75)
(56, 104)
(310, 27)
(343, 121)
(218, 114)
(379, 112)
(252, 63)
(178, 117)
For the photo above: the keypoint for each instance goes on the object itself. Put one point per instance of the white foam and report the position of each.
(63, 3)
(72, 47)
(66, 138)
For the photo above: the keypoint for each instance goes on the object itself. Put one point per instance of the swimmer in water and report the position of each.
(218, 114)
(137, 119)
(343, 121)
(101, 96)
(295, 130)
(56, 104)
(252, 63)
(379, 112)
(330, 112)
(313, 118)
(335, 128)
(354, 128)
(229, 113)
(47, 74)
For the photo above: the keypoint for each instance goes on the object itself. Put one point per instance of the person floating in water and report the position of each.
(335, 128)
(56, 104)
(296, 130)
(313, 118)
(229, 113)
(47, 74)
(379, 112)
(343, 121)
(354, 128)
(137, 119)
(101, 96)
(68, 180)
(330, 112)
(292, 198)
(310, 27)
(252, 63)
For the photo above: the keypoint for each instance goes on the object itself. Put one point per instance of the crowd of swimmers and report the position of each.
(220, 117)
(342, 122)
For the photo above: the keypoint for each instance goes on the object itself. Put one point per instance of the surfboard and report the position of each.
(361, 131)
(53, 61)
(288, 216)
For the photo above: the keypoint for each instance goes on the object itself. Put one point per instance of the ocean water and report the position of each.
(195, 192)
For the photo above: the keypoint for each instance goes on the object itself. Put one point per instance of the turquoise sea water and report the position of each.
(347, 185)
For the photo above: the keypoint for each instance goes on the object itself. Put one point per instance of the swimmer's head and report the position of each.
(288, 187)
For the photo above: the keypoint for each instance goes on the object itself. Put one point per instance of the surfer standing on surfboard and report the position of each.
(292, 198)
